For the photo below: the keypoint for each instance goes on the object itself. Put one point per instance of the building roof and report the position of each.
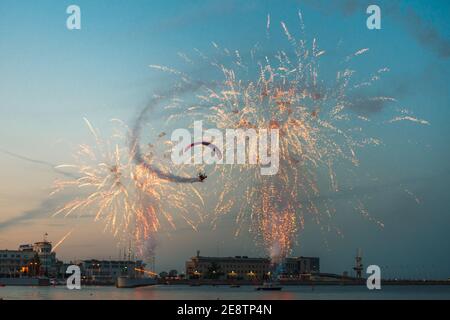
(13, 251)
(111, 261)
(43, 242)
(234, 259)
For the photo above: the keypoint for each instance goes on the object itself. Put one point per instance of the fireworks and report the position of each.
(132, 201)
(320, 129)
(62, 239)
(321, 126)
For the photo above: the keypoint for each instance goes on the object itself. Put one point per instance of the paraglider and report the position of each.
(202, 176)
(216, 151)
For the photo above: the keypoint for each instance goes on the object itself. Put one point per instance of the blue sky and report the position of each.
(50, 78)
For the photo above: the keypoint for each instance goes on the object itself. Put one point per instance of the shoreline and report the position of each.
(247, 284)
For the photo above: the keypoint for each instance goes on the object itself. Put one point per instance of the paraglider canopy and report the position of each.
(214, 148)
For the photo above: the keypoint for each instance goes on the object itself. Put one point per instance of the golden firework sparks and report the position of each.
(318, 125)
(128, 198)
(62, 239)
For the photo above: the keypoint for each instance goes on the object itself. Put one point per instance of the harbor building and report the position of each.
(296, 266)
(47, 258)
(14, 263)
(238, 267)
(109, 270)
(29, 260)
(245, 268)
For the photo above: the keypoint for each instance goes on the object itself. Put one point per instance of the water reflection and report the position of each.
(162, 292)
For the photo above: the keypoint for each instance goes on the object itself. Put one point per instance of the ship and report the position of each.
(134, 282)
(269, 286)
(25, 281)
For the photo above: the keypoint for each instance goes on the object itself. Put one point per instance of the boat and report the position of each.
(195, 284)
(134, 282)
(25, 281)
(269, 286)
(235, 286)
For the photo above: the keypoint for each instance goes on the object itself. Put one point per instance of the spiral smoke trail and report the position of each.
(135, 148)
(133, 202)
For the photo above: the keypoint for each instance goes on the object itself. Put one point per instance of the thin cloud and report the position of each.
(38, 162)
(423, 31)
(44, 210)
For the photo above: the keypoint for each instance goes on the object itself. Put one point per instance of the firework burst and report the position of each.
(133, 202)
(320, 129)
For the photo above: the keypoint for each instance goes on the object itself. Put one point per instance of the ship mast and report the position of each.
(358, 264)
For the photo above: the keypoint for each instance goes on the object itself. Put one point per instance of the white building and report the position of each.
(238, 267)
(15, 263)
(243, 267)
(294, 267)
(47, 258)
(110, 270)
(21, 262)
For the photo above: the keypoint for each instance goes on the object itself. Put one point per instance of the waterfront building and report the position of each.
(238, 267)
(296, 266)
(47, 258)
(243, 267)
(38, 259)
(110, 270)
(15, 263)
(29, 259)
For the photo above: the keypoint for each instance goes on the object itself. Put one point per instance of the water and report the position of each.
(183, 292)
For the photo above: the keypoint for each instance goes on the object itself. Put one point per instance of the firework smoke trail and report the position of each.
(36, 161)
(135, 148)
(62, 239)
(133, 202)
(318, 129)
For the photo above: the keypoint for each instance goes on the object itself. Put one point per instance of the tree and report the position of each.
(163, 275)
(214, 271)
(173, 273)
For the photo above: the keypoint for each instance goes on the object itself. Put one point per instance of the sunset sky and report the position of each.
(50, 78)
